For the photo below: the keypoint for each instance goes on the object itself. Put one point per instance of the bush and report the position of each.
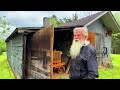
(0, 52)
(116, 43)
(2, 46)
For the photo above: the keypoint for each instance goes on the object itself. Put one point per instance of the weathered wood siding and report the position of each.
(108, 44)
(14, 54)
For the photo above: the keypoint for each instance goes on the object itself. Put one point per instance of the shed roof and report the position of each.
(77, 23)
(83, 21)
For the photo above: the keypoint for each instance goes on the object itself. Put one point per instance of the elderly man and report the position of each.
(83, 56)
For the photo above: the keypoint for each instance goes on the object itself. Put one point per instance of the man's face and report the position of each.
(78, 35)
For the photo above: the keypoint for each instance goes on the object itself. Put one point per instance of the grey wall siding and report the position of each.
(108, 44)
(9, 51)
(14, 53)
(98, 27)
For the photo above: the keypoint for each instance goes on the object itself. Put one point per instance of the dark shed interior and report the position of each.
(62, 42)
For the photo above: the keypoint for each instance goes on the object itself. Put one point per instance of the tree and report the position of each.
(57, 22)
(4, 27)
(116, 35)
(69, 19)
(2, 45)
(116, 43)
(77, 15)
(54, 21)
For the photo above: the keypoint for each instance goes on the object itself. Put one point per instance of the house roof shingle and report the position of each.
(83, 21)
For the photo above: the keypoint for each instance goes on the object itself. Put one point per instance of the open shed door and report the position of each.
(41, 58)
(91, 38)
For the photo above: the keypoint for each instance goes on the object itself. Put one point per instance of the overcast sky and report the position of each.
(32, 18)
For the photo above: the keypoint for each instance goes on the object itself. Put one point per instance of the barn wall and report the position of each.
(14, 54)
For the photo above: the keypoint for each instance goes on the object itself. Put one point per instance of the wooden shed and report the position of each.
(31, 50)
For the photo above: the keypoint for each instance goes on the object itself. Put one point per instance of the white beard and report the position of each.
(76, 48)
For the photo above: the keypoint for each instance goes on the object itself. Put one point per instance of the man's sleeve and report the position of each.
(92, 65)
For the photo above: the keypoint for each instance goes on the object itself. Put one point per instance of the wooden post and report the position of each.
(24, 56)
(44, 60)
(29, 57)
(51, 50)
(68, 67)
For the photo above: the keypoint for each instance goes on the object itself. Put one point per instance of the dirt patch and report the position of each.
(60, 76)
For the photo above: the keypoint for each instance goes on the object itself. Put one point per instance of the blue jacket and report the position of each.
(85, 65)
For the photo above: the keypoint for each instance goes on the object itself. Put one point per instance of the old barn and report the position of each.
(37, 52)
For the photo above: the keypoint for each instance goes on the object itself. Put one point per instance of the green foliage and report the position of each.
(57, 22)
(116, 35)
(116, 43)
(54, 21)
(0, 52)
(69, 19)
(4, 25)
(2, 46)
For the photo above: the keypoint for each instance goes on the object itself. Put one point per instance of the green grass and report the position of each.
(5, 70)
(104, 73)
(111, 73)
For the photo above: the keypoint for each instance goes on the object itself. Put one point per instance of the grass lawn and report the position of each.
(104, 73)
(113, 73)
(5, 70)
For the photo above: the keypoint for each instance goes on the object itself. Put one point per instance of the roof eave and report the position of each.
(118, 26)
(96, 18)
(11, 34)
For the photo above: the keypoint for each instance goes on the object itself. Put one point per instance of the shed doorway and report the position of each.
(46, 51)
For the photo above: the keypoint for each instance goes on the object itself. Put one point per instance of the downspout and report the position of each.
(24, 56)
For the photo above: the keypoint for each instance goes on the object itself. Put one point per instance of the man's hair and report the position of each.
(84, 31)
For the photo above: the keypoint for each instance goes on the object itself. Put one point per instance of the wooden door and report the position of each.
(91, 38)
(41, 57)
(99, 49)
